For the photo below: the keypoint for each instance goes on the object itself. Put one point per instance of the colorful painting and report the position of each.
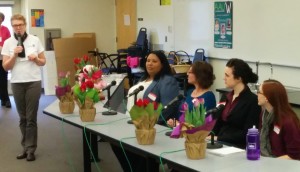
(37, 18)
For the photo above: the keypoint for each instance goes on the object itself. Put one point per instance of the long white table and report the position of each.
(115, 128)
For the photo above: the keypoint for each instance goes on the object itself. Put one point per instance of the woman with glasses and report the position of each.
(241, 110)
(201, 76)
(280, 130)
(23, 54)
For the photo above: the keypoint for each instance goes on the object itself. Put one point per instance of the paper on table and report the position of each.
(225, 151)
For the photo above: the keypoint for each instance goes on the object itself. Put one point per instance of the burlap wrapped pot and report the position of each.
(145, 137)
(66, 107)
(195, 144)
(87, 115)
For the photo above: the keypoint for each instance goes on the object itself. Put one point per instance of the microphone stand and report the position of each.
(213, 144)
(109, 112)
(135, 99)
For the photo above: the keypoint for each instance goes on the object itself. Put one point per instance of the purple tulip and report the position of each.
(60, 91)
(185, 106)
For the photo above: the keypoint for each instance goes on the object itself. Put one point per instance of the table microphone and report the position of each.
(109, 112)
(213, 144)
(177, 98)
(215, 111)
(109, 85)
(136, 91)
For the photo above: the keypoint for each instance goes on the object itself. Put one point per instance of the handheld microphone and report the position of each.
(177, 98)
(19, 40)
(109, 85)
(136, 91)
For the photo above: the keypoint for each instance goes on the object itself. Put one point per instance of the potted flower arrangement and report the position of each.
(87, 87)
(194, 126)
(144, 115)
(64, 94)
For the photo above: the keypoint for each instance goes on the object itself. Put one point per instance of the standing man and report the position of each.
(4, 35)
(23, 54)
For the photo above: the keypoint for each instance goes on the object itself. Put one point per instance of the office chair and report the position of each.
(139, 50)
(172, 59)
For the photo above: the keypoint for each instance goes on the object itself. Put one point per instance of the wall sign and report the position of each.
(223, 24)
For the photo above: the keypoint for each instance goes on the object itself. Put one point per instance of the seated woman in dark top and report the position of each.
(241, 111)
(280, 131)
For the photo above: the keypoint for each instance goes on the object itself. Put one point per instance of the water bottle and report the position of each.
(253, 144)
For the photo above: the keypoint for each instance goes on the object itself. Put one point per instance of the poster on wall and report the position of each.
(223, 24)
(37, 18)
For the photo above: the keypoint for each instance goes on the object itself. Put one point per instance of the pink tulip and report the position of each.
(201, 100)
(100, 84)
(61, 74)
(80, 78)
(196, 102)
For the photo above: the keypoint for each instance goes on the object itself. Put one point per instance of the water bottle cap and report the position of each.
(253, 129)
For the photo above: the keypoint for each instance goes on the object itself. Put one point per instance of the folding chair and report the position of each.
(199, 55)
(101, 60)
(120, 61)
(172, 59)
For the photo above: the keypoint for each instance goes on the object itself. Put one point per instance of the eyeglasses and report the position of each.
(18, 25)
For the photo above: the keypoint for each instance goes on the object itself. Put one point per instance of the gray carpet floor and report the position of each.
(59, 145)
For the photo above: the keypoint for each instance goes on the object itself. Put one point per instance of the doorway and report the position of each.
(126, 22)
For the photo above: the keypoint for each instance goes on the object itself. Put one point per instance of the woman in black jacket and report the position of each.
(241, 111)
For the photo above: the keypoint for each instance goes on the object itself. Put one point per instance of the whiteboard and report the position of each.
(263, 30)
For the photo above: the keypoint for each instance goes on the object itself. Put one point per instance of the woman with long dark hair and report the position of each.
(159, 84)
(241, 111)
(280, 130)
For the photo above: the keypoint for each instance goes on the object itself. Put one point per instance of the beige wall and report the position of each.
(159, 23)
(77, 16)
(99, 16)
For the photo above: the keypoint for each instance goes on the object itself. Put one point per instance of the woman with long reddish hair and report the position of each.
(280, 130)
